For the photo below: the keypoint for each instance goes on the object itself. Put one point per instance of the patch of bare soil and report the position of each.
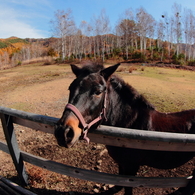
(50, 98)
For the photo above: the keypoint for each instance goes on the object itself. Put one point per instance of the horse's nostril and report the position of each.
(59, 134)
(69, 134)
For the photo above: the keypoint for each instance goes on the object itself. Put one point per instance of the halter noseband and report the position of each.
(87, 126)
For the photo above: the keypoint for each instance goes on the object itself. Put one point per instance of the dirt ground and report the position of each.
(47, 94)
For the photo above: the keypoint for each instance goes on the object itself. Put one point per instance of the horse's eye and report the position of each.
(97, 93)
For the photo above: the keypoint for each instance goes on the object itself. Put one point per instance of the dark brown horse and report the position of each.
(97, 96)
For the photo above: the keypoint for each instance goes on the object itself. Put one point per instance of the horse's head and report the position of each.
(86, 106)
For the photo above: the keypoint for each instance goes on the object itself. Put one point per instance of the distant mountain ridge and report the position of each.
(12, 42)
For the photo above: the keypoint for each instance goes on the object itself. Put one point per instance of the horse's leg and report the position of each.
(128, 170)
(128, 161)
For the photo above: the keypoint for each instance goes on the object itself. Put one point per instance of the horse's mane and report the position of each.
(129, 94)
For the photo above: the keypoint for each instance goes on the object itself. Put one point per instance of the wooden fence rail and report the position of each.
(7, 187)
(121, 137)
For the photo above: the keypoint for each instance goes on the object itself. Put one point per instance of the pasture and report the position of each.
(43, 89)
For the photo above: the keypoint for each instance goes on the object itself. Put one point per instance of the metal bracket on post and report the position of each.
(14, 150)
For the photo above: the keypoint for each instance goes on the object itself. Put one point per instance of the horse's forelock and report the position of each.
(91, 67)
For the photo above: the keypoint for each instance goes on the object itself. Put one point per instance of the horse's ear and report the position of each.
(107, 72)
(75, 69)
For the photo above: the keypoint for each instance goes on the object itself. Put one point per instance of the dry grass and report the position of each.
(132, 68)
(121, 69)
(48, 60)
(168, 89)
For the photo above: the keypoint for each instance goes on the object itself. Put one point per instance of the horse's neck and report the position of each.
(126, 107)
(114, 110)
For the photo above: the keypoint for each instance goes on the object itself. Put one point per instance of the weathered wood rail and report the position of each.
(7, 187)
(121, 137)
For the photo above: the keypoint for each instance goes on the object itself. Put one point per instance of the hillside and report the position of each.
(12, 42)
(10, 46)
(14, 50)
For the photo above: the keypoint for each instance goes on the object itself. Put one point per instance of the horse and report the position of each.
(97, 96)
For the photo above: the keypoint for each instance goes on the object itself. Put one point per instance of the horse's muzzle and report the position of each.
(68, 133)
(65, 136)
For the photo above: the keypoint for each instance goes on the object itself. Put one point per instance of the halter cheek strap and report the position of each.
(87, 126)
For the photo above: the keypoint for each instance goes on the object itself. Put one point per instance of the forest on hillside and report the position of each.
(14, 51)
(137, 36)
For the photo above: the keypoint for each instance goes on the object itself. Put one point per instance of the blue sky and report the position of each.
(31, 18)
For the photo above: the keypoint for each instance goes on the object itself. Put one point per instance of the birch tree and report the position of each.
(126, 29)
(160, 37)
(63, 26)
(189, 30)
(177, 26)
(145, 23)
(168, 32)
(101, 27)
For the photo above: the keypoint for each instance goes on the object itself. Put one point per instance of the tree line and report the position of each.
(14, 51)
(137, 35)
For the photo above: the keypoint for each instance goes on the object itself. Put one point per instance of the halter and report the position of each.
(87, 126)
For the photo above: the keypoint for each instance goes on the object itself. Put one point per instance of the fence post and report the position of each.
(14, 150)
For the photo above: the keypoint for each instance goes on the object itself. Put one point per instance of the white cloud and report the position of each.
(12, 24)
(18, 29)
(34, 3)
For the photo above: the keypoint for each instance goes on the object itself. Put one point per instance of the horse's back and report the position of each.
(177, 122)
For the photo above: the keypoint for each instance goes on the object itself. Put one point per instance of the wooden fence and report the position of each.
(105, 135)
(7, 187)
